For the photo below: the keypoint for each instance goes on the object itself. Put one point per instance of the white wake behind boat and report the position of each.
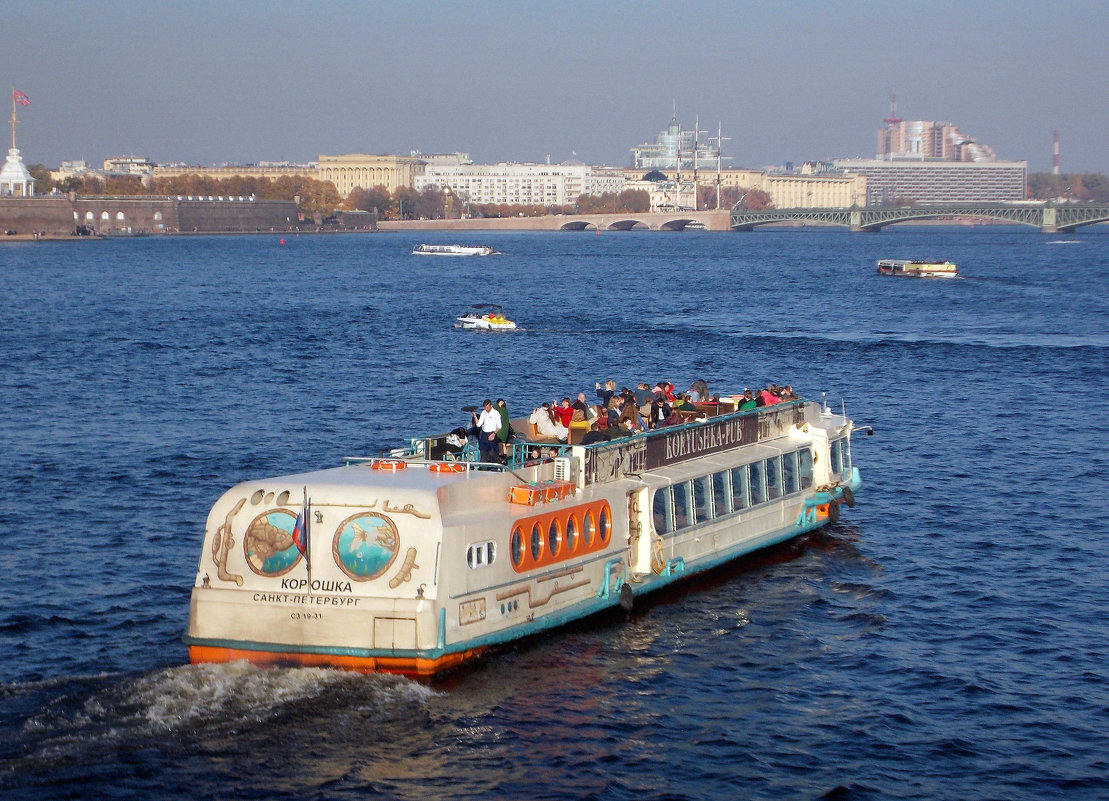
(484, 317)
(452, 250)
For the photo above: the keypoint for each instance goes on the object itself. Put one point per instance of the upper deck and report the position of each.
(721, 428)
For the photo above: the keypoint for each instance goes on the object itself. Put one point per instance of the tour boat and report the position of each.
(917, 269)
(420, 561)
(452, 250)
(484, 317)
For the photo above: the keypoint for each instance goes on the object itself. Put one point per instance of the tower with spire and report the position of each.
(15, 180)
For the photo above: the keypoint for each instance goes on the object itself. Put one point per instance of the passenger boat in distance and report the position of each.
(452, 250)
(484, 317)
(420, 561)
(917, 269)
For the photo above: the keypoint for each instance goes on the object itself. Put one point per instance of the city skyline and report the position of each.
(209, 83)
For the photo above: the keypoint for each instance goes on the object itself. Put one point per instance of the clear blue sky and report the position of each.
(240, 81)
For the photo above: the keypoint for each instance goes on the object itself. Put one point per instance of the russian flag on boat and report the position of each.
(300, 529)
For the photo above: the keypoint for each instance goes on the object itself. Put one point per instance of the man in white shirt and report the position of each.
(546, 425)
(488, 424)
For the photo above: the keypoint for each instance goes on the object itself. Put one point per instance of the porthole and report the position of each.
(571, 534)
(588, 529)
(554, 537)
(517, 546)
(536, 542)
(604, 526)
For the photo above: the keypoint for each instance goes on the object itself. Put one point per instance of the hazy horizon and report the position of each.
(240, 82)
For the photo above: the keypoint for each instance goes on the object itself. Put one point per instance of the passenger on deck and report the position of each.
(607, 392)
(684, 403)
(630, 419)
(673, 419)
(770, 395)
(617, 430)
(659, 411)
(582, 412)
(456, 441)
(564, 412)
(748, 401)
(787, 393)
(698, 391)
(613, 410)
(547, 425)
(642, 394)
(505, 432)
(487, 424)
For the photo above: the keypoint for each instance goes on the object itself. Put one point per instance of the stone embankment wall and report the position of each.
(64, 215)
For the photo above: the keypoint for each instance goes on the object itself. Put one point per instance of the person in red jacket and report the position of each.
(564, 412)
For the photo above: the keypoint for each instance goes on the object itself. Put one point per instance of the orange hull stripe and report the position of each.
(407, 666)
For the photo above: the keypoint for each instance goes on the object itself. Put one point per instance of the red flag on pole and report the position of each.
(20, 98)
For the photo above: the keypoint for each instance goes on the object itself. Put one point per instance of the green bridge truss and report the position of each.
(1049, 218)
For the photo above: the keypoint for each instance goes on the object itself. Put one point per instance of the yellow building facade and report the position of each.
(791, 191)
(351, 171)
(346, 172)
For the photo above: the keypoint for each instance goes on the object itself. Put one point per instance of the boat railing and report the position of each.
(609, 459)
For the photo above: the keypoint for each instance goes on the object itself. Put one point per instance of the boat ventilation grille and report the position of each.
(562, 468)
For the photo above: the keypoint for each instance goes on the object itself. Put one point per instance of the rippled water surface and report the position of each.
(946, 640)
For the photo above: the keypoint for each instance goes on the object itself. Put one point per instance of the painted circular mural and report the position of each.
(268, 543)
(365, 545)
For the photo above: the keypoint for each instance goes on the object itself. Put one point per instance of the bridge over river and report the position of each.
(1048, 217)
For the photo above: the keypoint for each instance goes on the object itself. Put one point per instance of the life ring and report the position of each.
(833, 512)
(848, 497)
(446, 467)
(389, 464)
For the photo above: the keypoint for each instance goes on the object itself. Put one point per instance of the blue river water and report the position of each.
(948, 639)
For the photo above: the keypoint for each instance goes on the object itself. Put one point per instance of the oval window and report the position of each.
(588, 529)
(517, 546)
(536, 542)
(604, 526)
(571, 534)
(554, 538)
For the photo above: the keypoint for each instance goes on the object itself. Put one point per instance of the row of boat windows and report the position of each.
(549, 538)
(735, 489)
(553, 537)
(675, 507)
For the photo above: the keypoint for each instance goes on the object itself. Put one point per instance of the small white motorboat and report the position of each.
(484, 317)
(452, 250)
(917, 269)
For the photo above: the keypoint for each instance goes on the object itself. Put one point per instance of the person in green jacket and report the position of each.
(505, 431)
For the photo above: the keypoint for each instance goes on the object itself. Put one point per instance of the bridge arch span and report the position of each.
(629, 224)
(577, 225)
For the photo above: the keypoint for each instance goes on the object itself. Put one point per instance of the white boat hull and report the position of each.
(417, 566)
